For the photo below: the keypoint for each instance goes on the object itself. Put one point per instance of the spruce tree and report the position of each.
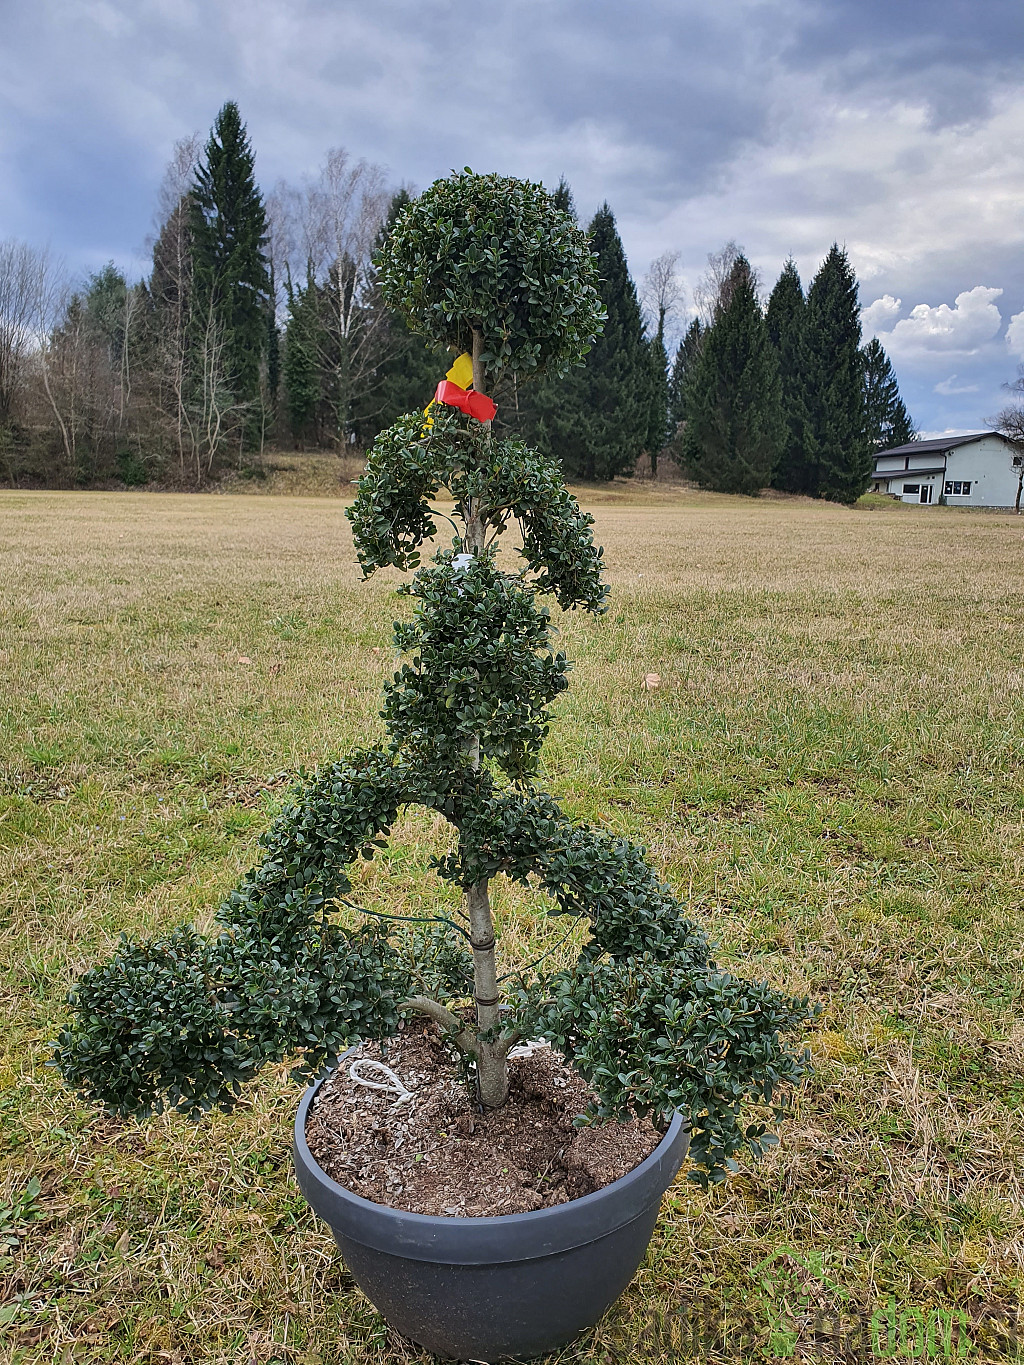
(683, 366)
(735, 430)
(597, 420)
(658, 431)
(887, 421)
(229, 267)
(835, 388)
(407, 369)
(303, 364)
(786, 318)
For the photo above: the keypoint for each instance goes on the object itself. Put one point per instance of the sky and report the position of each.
(891, 126)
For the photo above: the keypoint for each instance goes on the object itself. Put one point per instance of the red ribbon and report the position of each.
(474, 404)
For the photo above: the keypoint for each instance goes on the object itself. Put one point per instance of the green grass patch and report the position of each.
(829, 769)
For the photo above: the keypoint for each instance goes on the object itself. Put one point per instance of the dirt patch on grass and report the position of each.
(438, 1153)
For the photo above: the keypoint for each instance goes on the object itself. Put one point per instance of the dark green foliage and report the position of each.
(181, 1021)
(493, 254)
(683, 367)
(562, 199)
(658, 431)
(303, 370)
(230, 275)
(597, 421)
(170, 279)
(886, 419)
(506, 479)
(106, 306)
(835, 387)
(734, 430)
(408, 368)
(645, 1013)
(147, 1030)
(438, 961)
(656, 1034)
(481, 668)
(787, 320)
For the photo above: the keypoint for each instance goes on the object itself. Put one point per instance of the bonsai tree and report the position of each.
(490, 267)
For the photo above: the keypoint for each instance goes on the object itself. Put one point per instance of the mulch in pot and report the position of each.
(438, 1153)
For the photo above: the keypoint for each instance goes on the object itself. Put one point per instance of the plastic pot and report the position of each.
(489, 1289)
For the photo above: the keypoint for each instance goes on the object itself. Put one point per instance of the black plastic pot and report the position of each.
(502, 1288)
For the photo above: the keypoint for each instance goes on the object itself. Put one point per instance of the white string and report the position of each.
(394, 1082)
(528, 1049)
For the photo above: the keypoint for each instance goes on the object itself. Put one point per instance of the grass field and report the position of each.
(831, 770)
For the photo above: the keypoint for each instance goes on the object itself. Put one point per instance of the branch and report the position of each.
(449, 1022)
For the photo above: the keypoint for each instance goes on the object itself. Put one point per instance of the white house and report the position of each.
(978, 470)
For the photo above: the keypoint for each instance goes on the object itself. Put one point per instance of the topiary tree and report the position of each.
(493, 266)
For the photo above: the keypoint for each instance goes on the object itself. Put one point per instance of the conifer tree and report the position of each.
(887, 421)
(230, 272)
(658, 431)
(303, 367)
(408, 369)
(562, 198)
(835, 387)
(687, 353)
(735, 429)
(786, 318)
(597, 420)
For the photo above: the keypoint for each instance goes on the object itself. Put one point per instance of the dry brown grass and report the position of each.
(830, 769)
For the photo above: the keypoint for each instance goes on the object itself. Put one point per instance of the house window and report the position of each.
(958, 488)
(949, 487)
(911, 488)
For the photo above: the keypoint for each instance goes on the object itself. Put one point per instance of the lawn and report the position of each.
(830, 771)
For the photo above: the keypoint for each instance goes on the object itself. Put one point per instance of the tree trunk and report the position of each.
(492, 1063)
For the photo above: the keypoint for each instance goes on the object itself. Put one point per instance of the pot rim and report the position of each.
(590, 1214)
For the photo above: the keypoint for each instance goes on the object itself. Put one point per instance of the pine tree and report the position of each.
(735, 429)
(687, 353)
(658, 430)
(786, 318)
(887, 421)
(562, 198)
(407, 369)
(303, 367)
(835, 387)
(597, 420)
(231, 278)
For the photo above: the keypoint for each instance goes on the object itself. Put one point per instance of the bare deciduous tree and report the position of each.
(26, 307)
(324, 229)
(214, 417)
(171, 292)
(1010, 421)
(714, 289)
(661, 294)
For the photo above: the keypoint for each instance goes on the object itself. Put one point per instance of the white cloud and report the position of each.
(947, 431)
(973, 320)
(1015, 335)
(950, 386)
(877, 316)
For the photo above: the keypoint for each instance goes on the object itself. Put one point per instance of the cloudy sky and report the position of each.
(893, 126)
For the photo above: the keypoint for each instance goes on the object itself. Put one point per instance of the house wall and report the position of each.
(988, 466)
(906, 464)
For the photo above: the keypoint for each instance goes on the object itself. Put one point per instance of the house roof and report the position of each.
(942, 443)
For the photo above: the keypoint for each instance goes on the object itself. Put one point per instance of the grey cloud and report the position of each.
(783, 124)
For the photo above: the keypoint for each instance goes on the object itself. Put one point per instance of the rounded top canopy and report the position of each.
(496, 256)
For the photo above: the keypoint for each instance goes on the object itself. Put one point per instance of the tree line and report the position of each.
(261, 322)
(783, 395)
